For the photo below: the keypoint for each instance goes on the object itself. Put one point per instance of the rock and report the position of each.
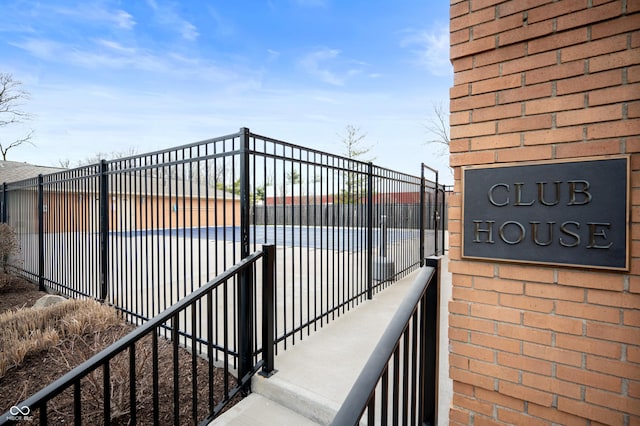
(48, 300)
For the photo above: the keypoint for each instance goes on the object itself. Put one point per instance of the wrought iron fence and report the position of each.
(126, 362)
(398, 383)
(145, 231)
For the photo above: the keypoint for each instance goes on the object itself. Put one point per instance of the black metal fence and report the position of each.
(135, 357)
(398, 383)
(145, 231)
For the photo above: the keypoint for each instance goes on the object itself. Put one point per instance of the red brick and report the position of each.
(459, 417)
(589, 16)
(552, 322)
(542, 60)
(495, 141)
(589, 115)
(529, 153)
(526, 393)
(590, 411)
(587, 311)
(611, 95)
(500, 285)
(472, 351)
(480, 420)
(560, 356)
(472, 102)
(474, 295)
(511, 7)
(555, 292)
(515, 418)
(589, 346)
(472, 378)
(525, 33)
(521, 124)
(556, 103)
(493, 370)
(588, 149)
(613, 333)
(482, 4)
(458, 361)
(589, 378)
(496, 26)
(558, 41)
(633, 111)
(472, 404)
(589, 82)
(471, 268)
(593, 49)
(496, 84)
(499, 399)
(499, 343)
(631, 318)
(551, 385)
(633, 354)
(460, 37)
(472, 48)
(622, 369)
(495, 112)
(495, 313)
(612, 400)
(476, 74)
(501, 55)
(628, 127)
(469, 323)
(526, 334)
(614, 60)
(462, 64)
(525, 363)
(527, 303)
(555, 72)
(544, 137)
(459, 9)
(458, 334)
(586, 279)
(526, 93)
(617, 299)
(472, 19)
(463, 388)
(555, 416)
(470, 158)
(459, 91)
(620, 25)
(555, 9)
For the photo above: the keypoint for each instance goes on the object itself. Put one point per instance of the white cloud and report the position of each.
(431, 49)
(329, 67)
(167, 16)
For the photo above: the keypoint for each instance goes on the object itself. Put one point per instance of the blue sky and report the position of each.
(109, 75)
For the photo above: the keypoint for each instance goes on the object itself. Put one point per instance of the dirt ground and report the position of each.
(40, 369)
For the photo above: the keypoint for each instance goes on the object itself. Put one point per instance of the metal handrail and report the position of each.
(40, 398)
(363, 390)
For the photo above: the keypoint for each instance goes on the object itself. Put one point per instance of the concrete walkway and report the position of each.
(314, 377)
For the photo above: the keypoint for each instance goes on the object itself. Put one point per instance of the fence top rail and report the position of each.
(59, 385)
(356, 401)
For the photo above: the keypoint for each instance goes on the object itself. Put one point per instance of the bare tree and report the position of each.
(12, 97)
(438, 127)
(354, 183)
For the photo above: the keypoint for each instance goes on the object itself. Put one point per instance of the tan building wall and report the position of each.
(542, 80)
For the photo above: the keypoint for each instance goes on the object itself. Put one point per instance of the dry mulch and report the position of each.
(39, 369)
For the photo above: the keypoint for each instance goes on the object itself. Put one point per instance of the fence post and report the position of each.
(436, 226)
(421, 220)
(430, 345)
(4, 202)
(370, 231)
(268, 287)
(104, 229)
(245, 293)
(41, 233)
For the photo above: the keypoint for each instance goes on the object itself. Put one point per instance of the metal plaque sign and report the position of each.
(572, 213)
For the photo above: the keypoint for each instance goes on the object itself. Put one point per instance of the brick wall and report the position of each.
(538, 80)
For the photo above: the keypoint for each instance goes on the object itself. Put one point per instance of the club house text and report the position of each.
(571, 194)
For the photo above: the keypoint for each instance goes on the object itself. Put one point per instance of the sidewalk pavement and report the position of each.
(315, 375)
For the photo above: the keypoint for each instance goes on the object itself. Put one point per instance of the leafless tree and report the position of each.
(12, 97)
(354, 183)
(438, 127)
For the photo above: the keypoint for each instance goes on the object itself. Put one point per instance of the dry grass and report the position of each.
(30, 330)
